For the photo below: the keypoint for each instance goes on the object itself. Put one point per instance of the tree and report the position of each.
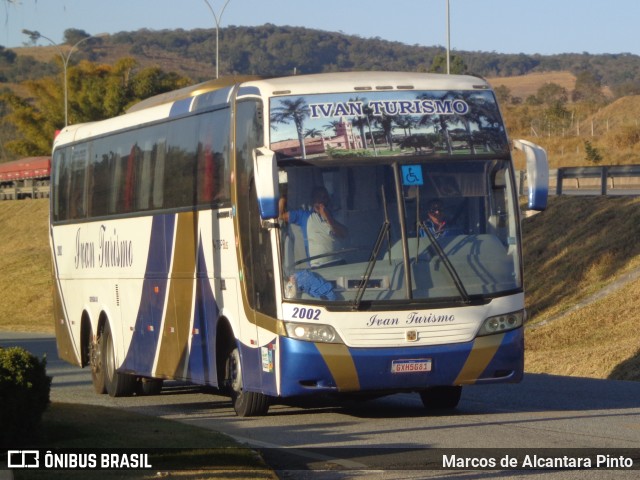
(35, 129)
(592, 154)
(503, 94)
(588, 89)
(95, 91)
(74, 35)
(456, 64)
(551, 94)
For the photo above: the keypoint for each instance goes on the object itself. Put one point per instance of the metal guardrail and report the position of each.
(600, 177)
(604, 173)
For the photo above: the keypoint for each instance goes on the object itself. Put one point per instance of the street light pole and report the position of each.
(448, 39)
(35, 35)
(218, 19)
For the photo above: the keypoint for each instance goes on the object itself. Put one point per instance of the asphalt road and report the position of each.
(393, 437)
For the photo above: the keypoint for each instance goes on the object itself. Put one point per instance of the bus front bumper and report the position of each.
(308, 368)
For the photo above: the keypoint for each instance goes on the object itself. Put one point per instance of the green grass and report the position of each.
(578, 246)
(575, 247)
(188, 452)
(25, 265)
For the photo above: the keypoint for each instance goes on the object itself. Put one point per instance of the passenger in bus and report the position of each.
(322, 232)
(435, 221)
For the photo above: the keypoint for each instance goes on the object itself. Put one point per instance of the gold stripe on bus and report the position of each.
(341, 366)
(265, 321)
(174, 345)
(482, 352)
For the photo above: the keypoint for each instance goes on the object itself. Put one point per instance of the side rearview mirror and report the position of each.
(265, 172)
(537, 173)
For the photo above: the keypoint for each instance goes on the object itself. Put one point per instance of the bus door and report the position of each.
(258, 282)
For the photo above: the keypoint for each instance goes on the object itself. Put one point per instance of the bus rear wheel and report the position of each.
(245, 404)
(117, 384)
(97, 367)
(441, 398)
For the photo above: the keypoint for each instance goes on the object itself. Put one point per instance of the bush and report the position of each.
(592, 153)
(24, 396)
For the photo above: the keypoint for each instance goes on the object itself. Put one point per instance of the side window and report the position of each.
(145, 175)
(177, 164)
(149, 168)
(100, 173)
(160, 155)
(180, 169)
(61, 184)
(77, 184)
(213, 158)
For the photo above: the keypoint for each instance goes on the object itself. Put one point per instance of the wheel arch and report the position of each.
(86, 337)
(102, 321)
(88, 334)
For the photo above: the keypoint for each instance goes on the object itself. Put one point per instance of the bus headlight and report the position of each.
(502, 323)
(312, 332)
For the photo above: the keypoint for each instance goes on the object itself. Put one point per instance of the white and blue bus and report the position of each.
(185, 240)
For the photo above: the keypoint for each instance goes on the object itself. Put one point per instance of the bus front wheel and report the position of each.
(117, 384)
(245, 404)
(441, 398)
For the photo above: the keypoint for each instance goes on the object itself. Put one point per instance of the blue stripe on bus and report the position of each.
(147, 333)
(202, 361)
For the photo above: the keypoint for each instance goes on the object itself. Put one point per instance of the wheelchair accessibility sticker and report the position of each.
(412, 175)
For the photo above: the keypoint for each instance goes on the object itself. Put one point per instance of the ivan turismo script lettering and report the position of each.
(389, 107)
(108, 252)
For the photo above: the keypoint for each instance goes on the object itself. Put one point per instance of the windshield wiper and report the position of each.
(447, 263)
(385, 228)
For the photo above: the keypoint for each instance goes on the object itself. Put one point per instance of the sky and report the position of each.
(504, 26)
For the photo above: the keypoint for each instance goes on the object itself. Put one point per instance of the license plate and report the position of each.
(411, 366)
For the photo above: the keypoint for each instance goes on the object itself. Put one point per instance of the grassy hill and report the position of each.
(575, 249)
(523, 86)
(25, 266)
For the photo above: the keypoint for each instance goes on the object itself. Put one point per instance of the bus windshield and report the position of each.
(449, 232)
(395, 195)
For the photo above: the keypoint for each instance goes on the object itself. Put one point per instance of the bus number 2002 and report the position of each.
(306, 313)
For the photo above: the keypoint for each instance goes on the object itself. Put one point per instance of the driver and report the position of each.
(435, 220)
(322, 232)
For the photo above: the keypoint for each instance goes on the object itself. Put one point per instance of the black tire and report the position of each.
(245, 404)
(441, 398)
(150, 386)
(117, 384)
(97, 367)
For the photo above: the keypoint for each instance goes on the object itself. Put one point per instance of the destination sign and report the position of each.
(378, 108)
